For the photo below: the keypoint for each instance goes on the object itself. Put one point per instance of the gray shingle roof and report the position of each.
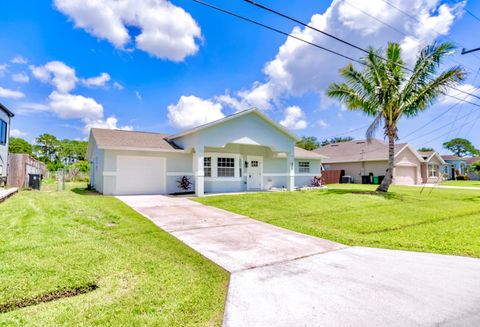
(115, 138)
(305, 154)
(357, 150)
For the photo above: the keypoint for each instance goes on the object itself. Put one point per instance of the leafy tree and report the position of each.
(71, 151)
(336, 140)
(47, 147)
(425, 149)
(461, 147)
(308, 143)
(19, 145)
(387, 91)
(475, 167)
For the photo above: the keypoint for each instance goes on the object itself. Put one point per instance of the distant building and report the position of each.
(454, 166)
(5, 117)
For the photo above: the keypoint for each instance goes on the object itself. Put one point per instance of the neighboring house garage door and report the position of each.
(140, 175)
(405, 175)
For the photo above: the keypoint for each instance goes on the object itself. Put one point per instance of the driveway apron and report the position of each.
(283, 278)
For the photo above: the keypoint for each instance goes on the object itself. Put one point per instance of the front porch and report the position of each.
(242, 168)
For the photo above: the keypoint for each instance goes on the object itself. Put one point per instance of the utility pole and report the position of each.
(465, 51)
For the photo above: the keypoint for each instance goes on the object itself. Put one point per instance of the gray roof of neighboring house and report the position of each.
(114, 138)
(472, 160)
(305, 154)
(357, 150)
(449, 157)
(7, 111)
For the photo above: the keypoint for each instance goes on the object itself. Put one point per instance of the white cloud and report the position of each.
(20, 78)
(10, 94)
(19, 60)
(31, 107)
(97, 81)
(456, 96)
(138, 95)
(61, 76)
(109, 123)
(69, 106)
(191, 111)
(166, 31)
(118, 86)
(294, 118)
(17, 133)
(299, 68)
(322, 123)
(3, 69)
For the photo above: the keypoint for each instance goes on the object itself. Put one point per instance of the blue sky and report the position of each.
(172, 65)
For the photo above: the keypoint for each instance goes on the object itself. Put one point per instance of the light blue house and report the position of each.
(246, 151)
(454, 166)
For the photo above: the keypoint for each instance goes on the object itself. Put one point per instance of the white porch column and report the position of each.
(198, 161)
(291, 171)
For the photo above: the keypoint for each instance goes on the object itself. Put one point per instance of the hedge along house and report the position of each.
(360, 158)
(246, 151)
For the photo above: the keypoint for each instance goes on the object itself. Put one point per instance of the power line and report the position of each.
(276, 30)
(472, 14)
(338, 39)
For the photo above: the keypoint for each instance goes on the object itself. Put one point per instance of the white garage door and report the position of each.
(405, 175)
(140, 175)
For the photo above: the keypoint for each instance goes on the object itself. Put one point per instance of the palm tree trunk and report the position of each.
(383, 187)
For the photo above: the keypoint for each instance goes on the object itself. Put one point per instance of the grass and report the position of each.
(462, 183)
(113, 266)
(441, 221)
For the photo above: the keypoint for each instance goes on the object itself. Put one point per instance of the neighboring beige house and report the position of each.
(361, 158)
(432, 171)
(246, 151)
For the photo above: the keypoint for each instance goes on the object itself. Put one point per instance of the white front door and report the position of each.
(254, 173)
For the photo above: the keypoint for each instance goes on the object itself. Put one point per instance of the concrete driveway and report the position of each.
(283, 278)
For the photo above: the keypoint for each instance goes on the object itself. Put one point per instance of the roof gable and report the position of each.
(252, 111)
(6, 110)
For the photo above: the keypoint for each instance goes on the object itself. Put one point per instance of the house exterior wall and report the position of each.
(4, 148)
(459, 166)
(426, 171)
(274, 172)
(378, 168)
(234, 131)
(409, 159)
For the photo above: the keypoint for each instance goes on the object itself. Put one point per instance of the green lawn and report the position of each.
(442, 221)
(56, 242)
(462, 183)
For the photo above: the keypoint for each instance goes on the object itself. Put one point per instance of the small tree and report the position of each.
(461, 147)
(184, 183)
(424, 149)
(308, 143)
(19, 145)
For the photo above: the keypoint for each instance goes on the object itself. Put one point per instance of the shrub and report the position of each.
(184, 183)
(316, 181)
(462, 178)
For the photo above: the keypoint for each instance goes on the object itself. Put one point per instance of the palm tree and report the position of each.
(387, 90)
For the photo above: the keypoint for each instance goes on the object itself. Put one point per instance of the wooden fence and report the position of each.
(331, 176)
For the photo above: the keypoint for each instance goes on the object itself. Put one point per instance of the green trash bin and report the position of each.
(375, 179)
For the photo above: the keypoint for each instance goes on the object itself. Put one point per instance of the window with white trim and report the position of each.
(225, 167)
(207, 166)
(304, 167)
(432, 169)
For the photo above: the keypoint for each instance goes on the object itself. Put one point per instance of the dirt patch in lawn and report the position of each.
(52, 296)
